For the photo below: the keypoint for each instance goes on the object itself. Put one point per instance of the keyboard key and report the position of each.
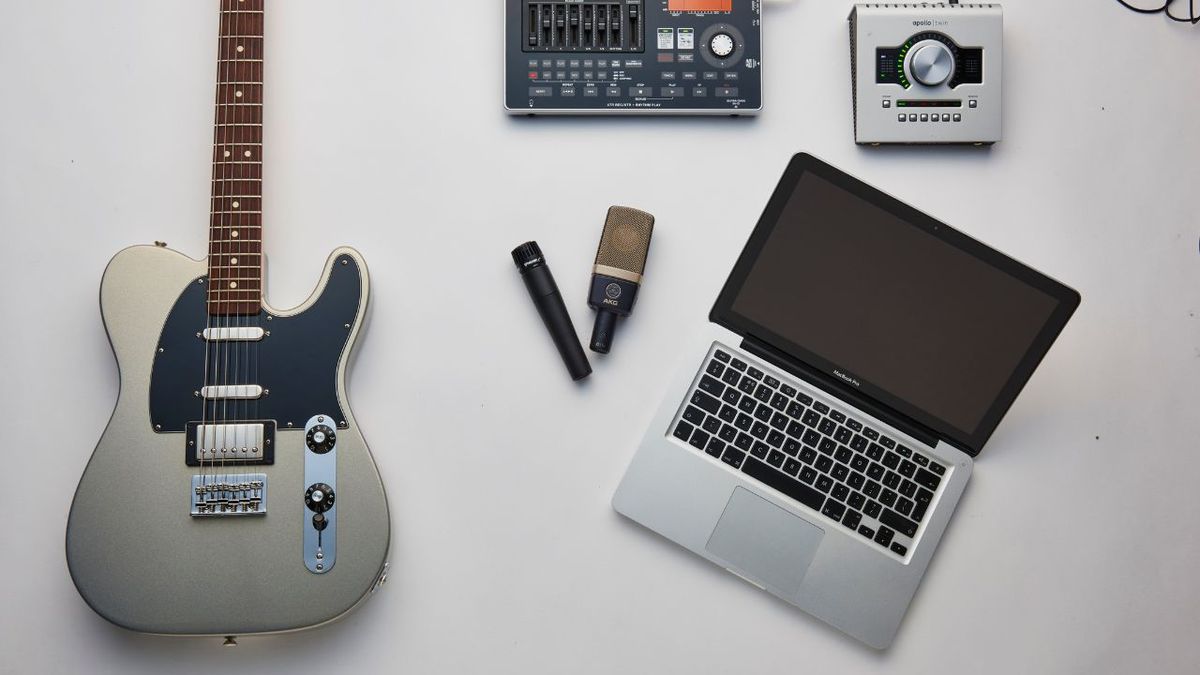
(859, 463)
(733, 457)
(904, 451)
(763, 393)
(840, 492)
(771, 382)
(875, 451)
(937, 468)
(891, 460)
(837, 416)
(856, 500)
(808, 455)
(843, 455)
(833, 509)
(683, 431)
(779, 402)
(727, 433)
(875, 471)
(715, 369)
(693, 415)
(859, 443)
(824, 464)
(699, 439)
(706, 402)
(779, 421)
(744, 441)
(852, 519)
(927, 479)
(821, 407)
(808, 475)
(795, 410)
(887, 442)
(842, 435)
(715, 447)
(776, 458)
(712, 385)
(731, 377)
(827, 427)
(787, 390)
(759, 431)
(918, 512)
(747, 404)
(872, 489)
(811, 438)
(762, 413)
(908, 488)
(731, 396)
(804, 398)
(904, 506)
(855, 425)
(871, 433)
(747, 385)
(775, 439)
(811, 419)
(884, 536)
(738, 364)
(924, 496)
(824, 483)
(759, 450)
(827, 446)
(892, 480)
(791, 446)
(795, 430)
(743, 422)
(866, 531)
(791, 466)
(907, 468)
(712, 425)
(755, 373)
(899, 548)
(840, 472)
(856, 480)
(872, 508)
(888, 497)
(728, 413)
(721, 356)
(921, 460)
(792, 488)
(898, 523)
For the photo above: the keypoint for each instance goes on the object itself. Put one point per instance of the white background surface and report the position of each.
(1075, 548)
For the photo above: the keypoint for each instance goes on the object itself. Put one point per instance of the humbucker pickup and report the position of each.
(229, 494)
(247, 442)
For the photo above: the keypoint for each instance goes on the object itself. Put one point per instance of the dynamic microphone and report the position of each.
(617, 274)
(549, 303)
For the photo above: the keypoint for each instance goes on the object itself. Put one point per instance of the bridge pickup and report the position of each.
(229, 495)
(250, 442)
(232, 392)
(234, 334)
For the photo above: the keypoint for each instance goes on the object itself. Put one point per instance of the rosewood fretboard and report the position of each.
(235, 227)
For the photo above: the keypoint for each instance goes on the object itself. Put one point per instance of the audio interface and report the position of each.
(926, 73)
(679, 57)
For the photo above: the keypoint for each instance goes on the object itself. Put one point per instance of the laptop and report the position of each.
(824, 423)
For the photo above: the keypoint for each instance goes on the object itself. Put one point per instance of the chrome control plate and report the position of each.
(320, 478)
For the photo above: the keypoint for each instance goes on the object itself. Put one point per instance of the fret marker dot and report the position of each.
(233, 234)
(233, 261)
(238, 93)
(235, 205)
(241, 48)
(227, 153)
(233, 284)
(247, 153)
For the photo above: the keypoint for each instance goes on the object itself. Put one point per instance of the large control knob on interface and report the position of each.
(722, 45)
(931, 63)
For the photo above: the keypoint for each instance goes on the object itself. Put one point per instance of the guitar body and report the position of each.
(141, 552)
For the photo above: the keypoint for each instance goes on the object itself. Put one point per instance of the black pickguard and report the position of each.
(296, 364)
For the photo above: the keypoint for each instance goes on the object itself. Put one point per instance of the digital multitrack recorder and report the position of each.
(681, 57)
(926, 73)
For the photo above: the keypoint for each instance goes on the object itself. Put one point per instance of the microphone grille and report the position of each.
(625, 242)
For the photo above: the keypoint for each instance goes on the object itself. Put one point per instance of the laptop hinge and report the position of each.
(838, 390)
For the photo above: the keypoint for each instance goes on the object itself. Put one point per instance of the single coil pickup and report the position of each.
(242, 442)
(239, 392)
(229, 495)
(233, 334)
(583, 26)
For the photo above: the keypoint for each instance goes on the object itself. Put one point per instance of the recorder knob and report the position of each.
(931, 63)
(721, 45)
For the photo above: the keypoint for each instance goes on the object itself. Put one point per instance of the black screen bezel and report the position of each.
(969, 441)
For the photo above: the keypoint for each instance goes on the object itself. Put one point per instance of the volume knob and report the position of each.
(931, 63)
(721, 45)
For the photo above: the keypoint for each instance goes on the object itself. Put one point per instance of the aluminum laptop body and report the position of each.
(740, 499)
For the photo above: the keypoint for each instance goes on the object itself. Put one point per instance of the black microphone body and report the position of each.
(549, 303)
(611, 298)
(617, 273)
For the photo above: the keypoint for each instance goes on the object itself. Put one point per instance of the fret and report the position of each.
(240, 71)
(227, 203)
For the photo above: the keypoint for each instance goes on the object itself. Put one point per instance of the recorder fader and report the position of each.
(633, 56)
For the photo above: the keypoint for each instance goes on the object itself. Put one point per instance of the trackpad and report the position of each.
(765, 543)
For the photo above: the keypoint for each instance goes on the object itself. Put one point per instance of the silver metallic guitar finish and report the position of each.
(139, 559)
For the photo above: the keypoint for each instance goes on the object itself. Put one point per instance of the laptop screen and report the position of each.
(894, 304)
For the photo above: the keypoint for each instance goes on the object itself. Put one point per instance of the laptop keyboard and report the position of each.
(821, 457)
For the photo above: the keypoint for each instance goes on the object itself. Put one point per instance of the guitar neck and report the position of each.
(235, 228)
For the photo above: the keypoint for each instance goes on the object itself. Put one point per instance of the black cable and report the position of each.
(1191, 18)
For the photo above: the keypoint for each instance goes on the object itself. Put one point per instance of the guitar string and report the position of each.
(242, 351)
(259, 40)
(231, 72)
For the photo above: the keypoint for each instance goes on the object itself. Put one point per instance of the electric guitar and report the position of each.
(232, 492)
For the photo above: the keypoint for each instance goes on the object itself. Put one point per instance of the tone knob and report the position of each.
(318, 498)
(931, 63)
(721, 45)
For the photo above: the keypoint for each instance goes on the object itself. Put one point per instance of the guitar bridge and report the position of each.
(229, 495)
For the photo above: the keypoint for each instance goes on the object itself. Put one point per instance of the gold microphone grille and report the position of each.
(625, 242)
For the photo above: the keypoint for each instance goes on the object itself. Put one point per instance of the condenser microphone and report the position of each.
(617, 274)
(549, 303)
